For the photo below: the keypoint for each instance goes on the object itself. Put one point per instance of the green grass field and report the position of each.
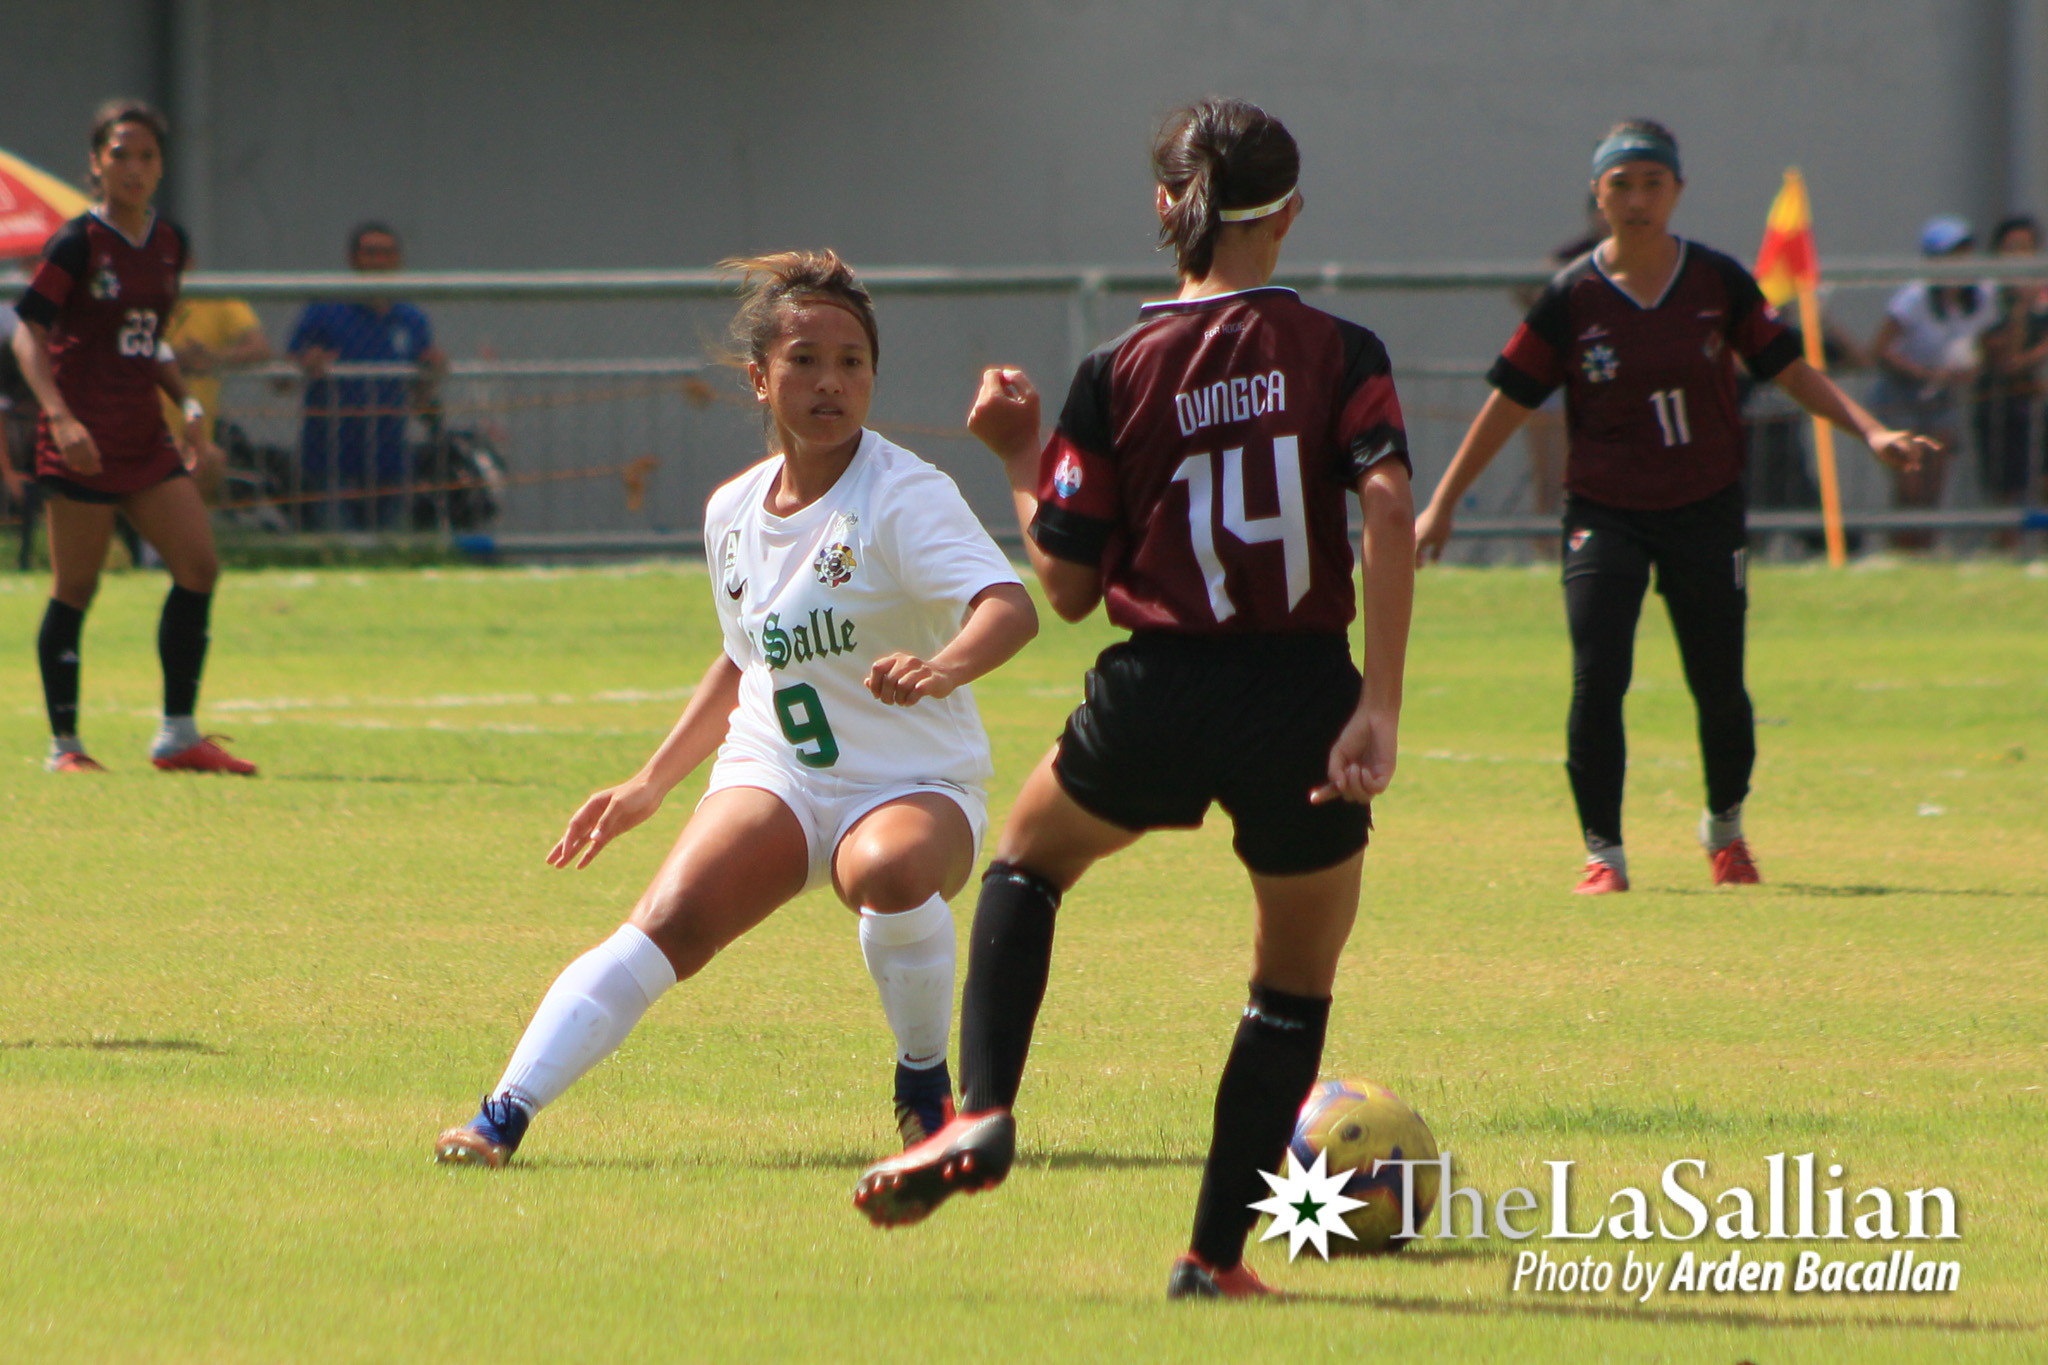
(233, 1014)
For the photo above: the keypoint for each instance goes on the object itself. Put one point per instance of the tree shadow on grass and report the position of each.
(848, 1160)
(1697, 1317)
(119, 1045)
(1856, 892)
(393, 779)
(1851, 892)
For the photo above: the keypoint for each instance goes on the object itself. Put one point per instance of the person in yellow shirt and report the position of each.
(208, 336)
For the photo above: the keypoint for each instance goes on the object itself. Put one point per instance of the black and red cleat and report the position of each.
(1194, 1278)
(970, 1154)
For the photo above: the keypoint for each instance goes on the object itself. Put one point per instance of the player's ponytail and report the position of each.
(769, 284)
(1220, 161)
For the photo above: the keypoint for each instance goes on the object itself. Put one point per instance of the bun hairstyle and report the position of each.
(113, 114)
(1214, 156)
(771, 284)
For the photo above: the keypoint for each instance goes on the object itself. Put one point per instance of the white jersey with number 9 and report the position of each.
(888, 560)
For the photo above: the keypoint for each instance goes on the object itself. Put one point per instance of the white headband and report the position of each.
(1262, 211)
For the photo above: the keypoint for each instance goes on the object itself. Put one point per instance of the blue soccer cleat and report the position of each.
(489, 1139)
(924, 1102)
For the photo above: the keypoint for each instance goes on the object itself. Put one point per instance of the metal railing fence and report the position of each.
(582, 414)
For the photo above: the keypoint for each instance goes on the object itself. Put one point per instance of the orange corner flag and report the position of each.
(1788, 268)
(1787, 261)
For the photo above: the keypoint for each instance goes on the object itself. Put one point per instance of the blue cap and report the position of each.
(1945, 232)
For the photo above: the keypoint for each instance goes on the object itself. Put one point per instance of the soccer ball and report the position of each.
(1358, 1123)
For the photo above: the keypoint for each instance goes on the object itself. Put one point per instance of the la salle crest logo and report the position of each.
(106, 284)
(1600, 363)
(836, 562)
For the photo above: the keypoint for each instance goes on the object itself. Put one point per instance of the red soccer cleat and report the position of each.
(1193, 1278)
(970, 1154)
(206, 757)
(71, 763)
(1733, 866)
(1599, 880)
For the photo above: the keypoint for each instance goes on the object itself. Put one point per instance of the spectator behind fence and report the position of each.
(2009, 392)
(209, 336)
(353, 439)
(1926, 355)
(1778, 476)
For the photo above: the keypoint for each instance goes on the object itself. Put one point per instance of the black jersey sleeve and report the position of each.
(1078, 499)
(66, 257)
(1756, 333)
(1369, 424)
(1531, 365)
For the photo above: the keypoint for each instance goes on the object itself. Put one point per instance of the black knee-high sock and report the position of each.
(1008, 959)
(1272, 1064)
(57, 650)
(181, 644)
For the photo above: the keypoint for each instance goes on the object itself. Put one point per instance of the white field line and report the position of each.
(445, 701)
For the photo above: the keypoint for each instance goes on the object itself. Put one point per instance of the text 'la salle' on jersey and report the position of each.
(1203, 458)
(889, 559)
(1652, 412)
(105, 301)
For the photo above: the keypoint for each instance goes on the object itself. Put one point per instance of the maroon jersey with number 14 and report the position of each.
(1651, 410)
(105, 300)
(1203, 458)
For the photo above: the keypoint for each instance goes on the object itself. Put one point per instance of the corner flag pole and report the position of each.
(1788, 267)
(1823, 432)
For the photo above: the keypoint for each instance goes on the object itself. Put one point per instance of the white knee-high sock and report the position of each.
(910, 956)
(585, 1015)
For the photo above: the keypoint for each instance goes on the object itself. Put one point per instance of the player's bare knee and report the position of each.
(890, 885)
(687, 937)
(76, 591)
(198, 574)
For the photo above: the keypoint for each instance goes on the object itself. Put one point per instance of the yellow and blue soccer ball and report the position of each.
(1358, 1123)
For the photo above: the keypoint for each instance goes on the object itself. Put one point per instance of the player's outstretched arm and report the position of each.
(74, 442)
(1362, 759)
(1822, 397)
(1000, 621)
(1501, 418)
(1005, 419)
(696, 736)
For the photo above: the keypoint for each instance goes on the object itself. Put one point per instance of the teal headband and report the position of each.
(1634, 145)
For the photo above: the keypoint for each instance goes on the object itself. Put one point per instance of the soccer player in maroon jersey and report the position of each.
(90, 345)
(1197, 484)
(1643, 333)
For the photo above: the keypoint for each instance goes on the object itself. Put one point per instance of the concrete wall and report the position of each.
(510, 133)
(634, 132)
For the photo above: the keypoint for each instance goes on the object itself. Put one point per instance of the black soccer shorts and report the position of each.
(1174, 722)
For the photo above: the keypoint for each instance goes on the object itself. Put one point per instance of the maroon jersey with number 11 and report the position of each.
(1203, 458)
(105, 300)
(1651, 410)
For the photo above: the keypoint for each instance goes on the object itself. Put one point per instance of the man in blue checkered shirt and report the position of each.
(354, 434)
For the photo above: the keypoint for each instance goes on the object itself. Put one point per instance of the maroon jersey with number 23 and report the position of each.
(1202, 461)
(106, 300)
(1651, 410)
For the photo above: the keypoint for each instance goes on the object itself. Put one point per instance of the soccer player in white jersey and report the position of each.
(858, 597)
